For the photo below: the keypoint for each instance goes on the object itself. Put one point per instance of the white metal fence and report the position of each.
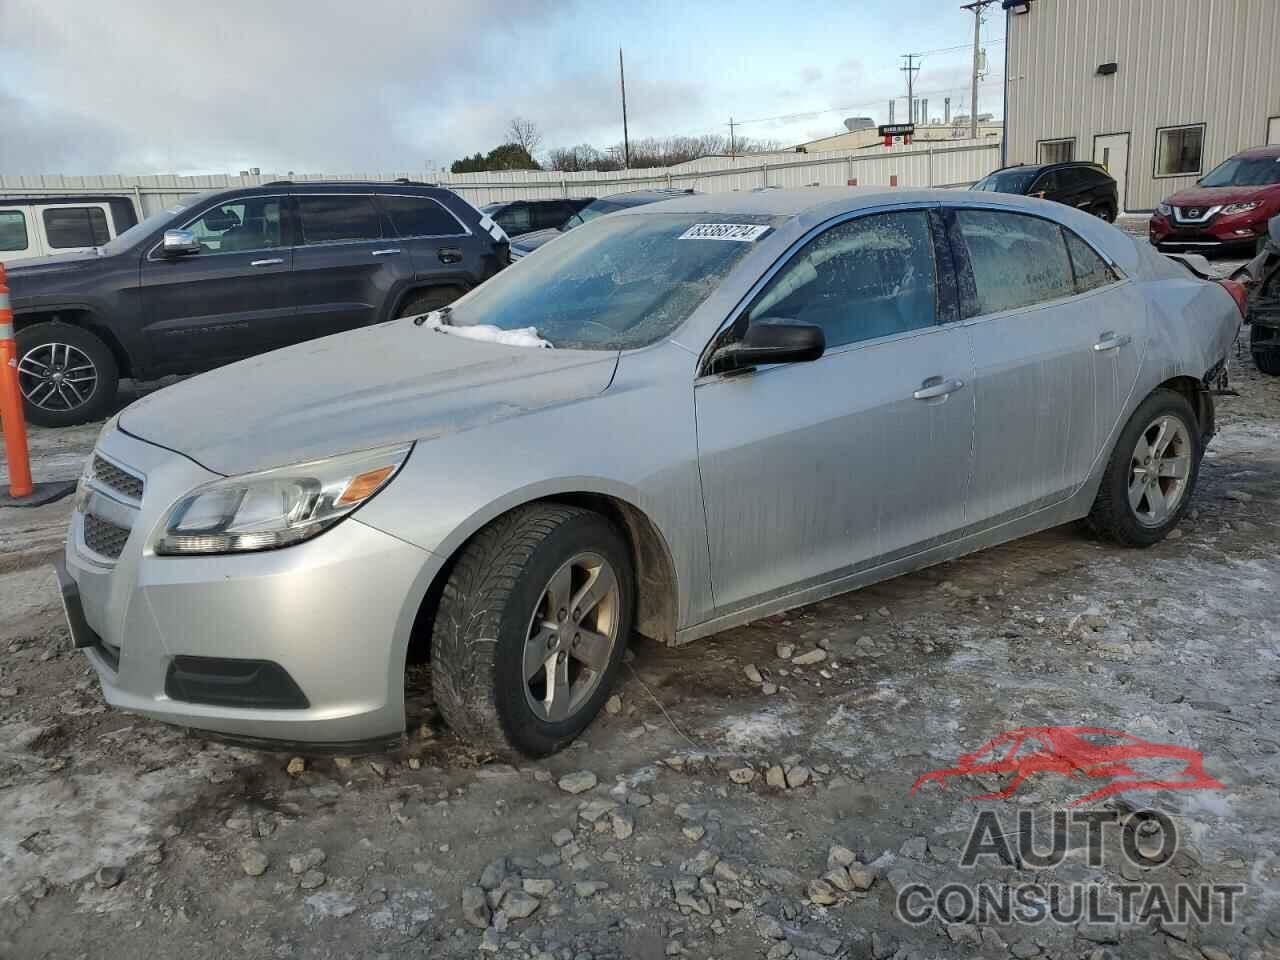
(952, 165)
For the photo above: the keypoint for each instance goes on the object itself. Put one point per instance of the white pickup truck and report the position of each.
(40, 226)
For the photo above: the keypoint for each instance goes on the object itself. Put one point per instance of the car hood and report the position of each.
(532, 241)
(1211, 196)
(58, 263)
(385, 384)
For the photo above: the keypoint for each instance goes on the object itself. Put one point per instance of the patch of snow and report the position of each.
(328, 903)
(761, 727)
(522, 337)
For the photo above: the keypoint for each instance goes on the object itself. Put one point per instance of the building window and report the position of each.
(1179, 150)
(1058, 151)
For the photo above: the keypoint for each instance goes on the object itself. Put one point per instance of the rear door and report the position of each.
(443, 251)
(233, 299)
(1033, 345)
(348, 266)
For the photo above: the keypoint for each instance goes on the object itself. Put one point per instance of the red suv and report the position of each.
(1228, 208)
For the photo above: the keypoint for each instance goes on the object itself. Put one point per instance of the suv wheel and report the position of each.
(1266, 358)
(66, 375)
(1151, 474)
(427, 301)
(531, 628)
(1105, 212)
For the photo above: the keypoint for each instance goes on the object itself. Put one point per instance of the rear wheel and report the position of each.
(428, 300)
(1268, 358)
(66, 375)
(1105, 212)
(1151, 474)
(531, 628)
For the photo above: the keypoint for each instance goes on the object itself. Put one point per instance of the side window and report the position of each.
(329, 218)
(13, 230)
(516, 219)
(420, 217)
(1090, 270)
(548, 215)
(252, 223)
(861, 279)
(76, 227)
(1017, 260)
(1050, 182)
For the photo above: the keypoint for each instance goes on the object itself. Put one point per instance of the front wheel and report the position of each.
(531, 628)
(1151, 474)
(66, 375)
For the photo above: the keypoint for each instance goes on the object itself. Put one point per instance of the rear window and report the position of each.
(420, 217)
(76, 227)
(13, 230)
(326, 219)
(1006, 181)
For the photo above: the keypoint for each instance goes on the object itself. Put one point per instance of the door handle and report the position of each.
(386, 253)
(265, 263)
(1109, 341)
(449, 254)
(937, 387)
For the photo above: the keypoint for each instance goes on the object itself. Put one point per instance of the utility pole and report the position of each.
(732, 141)
(911, 69)
(977, 7)
(626, 143)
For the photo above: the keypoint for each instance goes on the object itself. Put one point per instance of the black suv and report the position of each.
(525, 216)
(231, 274)
(1086, 186)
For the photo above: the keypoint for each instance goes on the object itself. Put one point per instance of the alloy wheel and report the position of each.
(57, 376)
(1159, 470)
(571, 637)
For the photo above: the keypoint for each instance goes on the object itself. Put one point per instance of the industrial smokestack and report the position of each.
(891, 106)
(946, 110)
(924, 110)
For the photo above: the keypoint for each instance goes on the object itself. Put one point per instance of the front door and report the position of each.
(812, 471)
(230, 300)
(1112, 151)
(348, 265)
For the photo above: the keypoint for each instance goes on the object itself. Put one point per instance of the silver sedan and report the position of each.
(669, 421)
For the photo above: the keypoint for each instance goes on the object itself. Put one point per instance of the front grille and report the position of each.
(121, 481)
(104, 538)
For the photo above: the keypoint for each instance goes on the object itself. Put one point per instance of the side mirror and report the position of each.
(178, 243)
(772, 340)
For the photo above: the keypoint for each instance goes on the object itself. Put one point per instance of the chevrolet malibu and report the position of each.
(669, 421)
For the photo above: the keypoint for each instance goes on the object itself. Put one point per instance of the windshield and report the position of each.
(1006, 181)
(616, 283)
(1244, 172)
(152, 223)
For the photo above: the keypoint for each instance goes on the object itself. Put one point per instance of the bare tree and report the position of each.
(524, 132)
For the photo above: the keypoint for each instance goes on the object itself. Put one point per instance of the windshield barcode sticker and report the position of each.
(742, 232)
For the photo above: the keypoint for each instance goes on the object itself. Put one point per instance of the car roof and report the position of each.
(793, 202)
(1038, 167)
(1254, 153)
(11, 201)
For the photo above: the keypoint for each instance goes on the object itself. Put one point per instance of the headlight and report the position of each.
(1242, 207)
(275, 508)
(1164, 210)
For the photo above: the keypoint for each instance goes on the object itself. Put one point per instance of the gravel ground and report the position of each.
(696, 815)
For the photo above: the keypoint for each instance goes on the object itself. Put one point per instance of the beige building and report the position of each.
(1159, 91)
(929, 133)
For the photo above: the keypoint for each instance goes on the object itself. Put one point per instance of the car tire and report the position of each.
(1267, 360)
(78, 395)
(428, 300)
(496, 624)
(1134, 507)
(1106, 212)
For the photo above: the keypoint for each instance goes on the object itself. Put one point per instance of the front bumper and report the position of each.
(1220, 233)
(333, 614)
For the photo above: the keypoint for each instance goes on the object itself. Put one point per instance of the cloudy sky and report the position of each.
(88, 86)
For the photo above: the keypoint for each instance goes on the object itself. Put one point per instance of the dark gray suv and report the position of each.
(235, 273)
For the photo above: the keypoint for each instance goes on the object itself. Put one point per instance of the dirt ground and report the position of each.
(120, 837)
